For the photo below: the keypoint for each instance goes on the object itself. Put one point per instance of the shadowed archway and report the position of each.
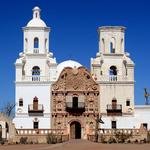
(75, 130)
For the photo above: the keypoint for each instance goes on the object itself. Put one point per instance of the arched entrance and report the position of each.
(75, 130)
(7, 128)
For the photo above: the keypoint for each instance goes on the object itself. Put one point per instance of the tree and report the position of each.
(8, 108)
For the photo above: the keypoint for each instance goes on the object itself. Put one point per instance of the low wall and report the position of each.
(103, 135)
(40, 135)
(36, 139)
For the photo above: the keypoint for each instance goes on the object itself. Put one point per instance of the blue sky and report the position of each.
(74, 35)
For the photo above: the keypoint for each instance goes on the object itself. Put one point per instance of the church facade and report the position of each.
(69, 97)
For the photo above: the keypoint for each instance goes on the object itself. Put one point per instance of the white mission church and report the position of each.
(69, 97)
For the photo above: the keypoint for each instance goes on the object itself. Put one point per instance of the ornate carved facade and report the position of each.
(75, 102)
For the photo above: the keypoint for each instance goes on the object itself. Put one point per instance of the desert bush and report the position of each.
(59, 139)
(111, 140)
(122, 137)
(148, 137)
(103, 139)
(31, 142)
(51, 139)
(2, 141)
(23, 140)
(136, 141)
(128, 141)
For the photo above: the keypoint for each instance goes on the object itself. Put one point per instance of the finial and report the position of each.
(36, 12)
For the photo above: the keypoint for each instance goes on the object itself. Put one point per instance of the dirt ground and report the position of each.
(78, 145)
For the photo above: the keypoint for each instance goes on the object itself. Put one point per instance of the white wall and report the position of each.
(30, 34)
(140, 116)
(26, 122)
(122, 93)
(27, 92)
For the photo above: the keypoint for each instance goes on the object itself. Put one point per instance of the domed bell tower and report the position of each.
(36, 35)
(35, 72)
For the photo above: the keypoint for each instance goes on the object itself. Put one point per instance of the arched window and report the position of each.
(122, 45)
(36, 42)
(112, 45)
(36, 70)
(26, 44)
(125, 67)
(59, 106)
(20, 102)
(45, 44)
(112, 49)
(113, 70)
(36, 14)
(35, 73)
(7, 127)
(103, 45)
(113, 73)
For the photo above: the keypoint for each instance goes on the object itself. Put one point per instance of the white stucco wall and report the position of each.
(41, 34)
(27, 92)
(26, 122)
(140, 116)
(122, 93)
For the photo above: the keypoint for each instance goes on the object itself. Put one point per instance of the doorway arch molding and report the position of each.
(76, 120)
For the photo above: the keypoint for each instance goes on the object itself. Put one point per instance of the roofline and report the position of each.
(36, 28)
(114, 28)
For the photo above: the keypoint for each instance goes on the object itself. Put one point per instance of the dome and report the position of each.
(36, 23)
(36, 20)
(68, 63)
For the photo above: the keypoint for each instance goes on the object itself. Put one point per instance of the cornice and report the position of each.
(33, 83)
(115, 83)
(36, 28)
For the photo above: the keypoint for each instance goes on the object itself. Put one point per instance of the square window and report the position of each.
(113, 125)
(20, 102)
(35, 125)
(145, 125)
(128, 103)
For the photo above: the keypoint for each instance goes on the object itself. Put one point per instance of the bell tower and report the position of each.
(111, 39)
(35, 72)
(113, 69)
(36, 35)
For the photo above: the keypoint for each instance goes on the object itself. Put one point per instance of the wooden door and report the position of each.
(114, 104)
(72, 131)
(35, 104)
